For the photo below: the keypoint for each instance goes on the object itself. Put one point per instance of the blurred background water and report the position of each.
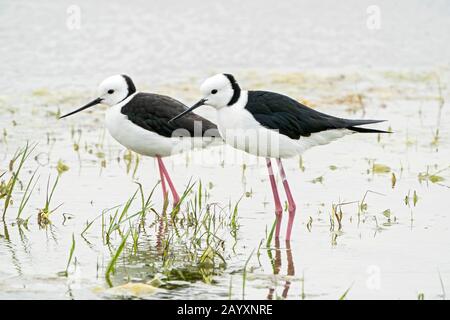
(166, 40)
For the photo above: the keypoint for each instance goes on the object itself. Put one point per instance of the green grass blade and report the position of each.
(113, 261)
(72, 250)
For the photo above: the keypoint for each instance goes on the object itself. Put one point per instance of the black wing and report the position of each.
(153, 112)
(293, 119)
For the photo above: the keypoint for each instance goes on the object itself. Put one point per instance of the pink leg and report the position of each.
(176, 197)
(290, 199)
(163, 181)
(276, 197)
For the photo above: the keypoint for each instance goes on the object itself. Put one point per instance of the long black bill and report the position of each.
(90, 104)
(195, 106)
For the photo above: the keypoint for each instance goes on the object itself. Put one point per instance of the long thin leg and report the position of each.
(291, 202)
(276, 197)
(163, 181)
(176, 197)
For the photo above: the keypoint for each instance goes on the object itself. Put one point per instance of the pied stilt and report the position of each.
(140, 122)
(271, 125)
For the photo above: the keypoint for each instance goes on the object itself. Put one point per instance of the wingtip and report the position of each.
(377, 121)
(367, 130)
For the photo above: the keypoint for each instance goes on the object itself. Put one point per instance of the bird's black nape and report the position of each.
(130, 85)
(236, 89)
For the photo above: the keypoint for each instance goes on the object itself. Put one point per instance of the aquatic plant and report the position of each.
(6, 190)
(43, 217)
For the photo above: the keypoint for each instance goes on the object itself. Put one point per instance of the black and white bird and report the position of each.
(140, 122)
(271, 125)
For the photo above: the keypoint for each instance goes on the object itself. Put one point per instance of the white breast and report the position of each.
(140, 140)
(240, 130)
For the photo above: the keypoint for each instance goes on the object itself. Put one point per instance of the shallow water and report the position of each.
(375, 255)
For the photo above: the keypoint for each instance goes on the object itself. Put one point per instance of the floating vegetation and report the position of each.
(309, 224)
(362, 205)
(393, 180)
(61, 167)
(431, 177)
(379, 168)
(317, 180)
(132, 290)
(132, 162)
(336, 215)
(414, 198)
(389, 216)
(353, 101)
(41, 92)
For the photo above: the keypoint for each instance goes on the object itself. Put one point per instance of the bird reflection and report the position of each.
(276, 263)
(160, 235)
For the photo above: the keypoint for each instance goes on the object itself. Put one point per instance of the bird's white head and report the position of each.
(218, 91)
(116, 88)
(111, 91)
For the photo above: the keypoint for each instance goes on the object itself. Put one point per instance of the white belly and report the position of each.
(240, 130)
(143, 141)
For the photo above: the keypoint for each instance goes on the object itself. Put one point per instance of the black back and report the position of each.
(291, 118)
(153, 111)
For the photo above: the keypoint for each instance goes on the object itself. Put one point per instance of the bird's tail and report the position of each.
(366, 130)
(354, 126)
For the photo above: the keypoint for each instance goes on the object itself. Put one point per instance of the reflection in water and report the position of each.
(277, 267)
(50, 232)
(11, 249)
(160, 236)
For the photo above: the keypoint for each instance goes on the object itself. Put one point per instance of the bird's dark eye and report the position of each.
(214, 91)
(110, 91)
